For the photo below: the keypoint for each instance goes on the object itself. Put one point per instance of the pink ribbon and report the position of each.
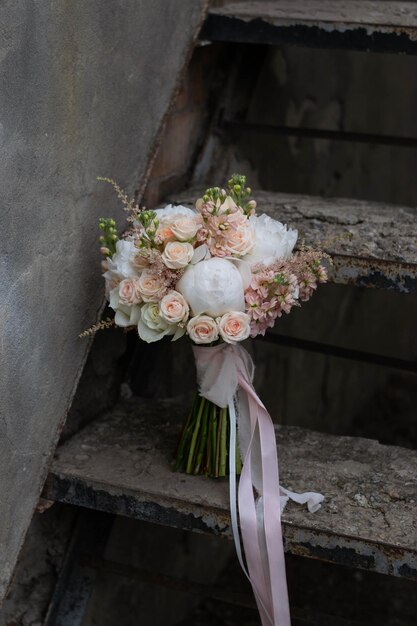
(225, 374)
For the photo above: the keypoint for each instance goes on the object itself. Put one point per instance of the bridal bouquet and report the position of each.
(219, 273)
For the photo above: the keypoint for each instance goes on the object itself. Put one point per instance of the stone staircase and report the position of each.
(121, 464)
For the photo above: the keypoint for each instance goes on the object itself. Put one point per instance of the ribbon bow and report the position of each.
(225, 374)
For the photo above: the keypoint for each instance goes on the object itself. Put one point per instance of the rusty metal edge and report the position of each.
(374, 273)
(220, 27)
(302, 541)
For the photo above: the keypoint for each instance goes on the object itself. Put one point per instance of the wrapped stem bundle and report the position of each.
(204, 444)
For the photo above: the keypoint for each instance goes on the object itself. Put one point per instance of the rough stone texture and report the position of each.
(86, 87)
(121, 463)
(338, 13)
(38, 567)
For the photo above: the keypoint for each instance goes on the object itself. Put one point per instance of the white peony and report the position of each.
(170, 213)
(272, 240)
(152, 327)
(214, 287)
(122, 260)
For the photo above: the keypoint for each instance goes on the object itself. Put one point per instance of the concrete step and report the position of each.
(354, 24)
(122, 464)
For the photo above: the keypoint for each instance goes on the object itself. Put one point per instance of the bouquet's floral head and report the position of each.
(217, 272)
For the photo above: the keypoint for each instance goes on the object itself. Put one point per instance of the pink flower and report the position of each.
(129, 291)
(234, 326)
(202, 329)
(152, 286)
(174, 308)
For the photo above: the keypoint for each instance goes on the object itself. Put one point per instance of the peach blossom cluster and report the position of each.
(226, 229)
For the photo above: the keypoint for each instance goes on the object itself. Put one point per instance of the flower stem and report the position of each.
(189, 469)
(186, 433)
(204, 442)
(203, 439)
(223, 443)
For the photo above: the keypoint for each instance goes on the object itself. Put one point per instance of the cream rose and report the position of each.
(129, 291)
(240, 241)
(152, 326)
(151, 286)
(177, 255)
(202, 329)
(234, 326)
(185, 228)
(174, 308)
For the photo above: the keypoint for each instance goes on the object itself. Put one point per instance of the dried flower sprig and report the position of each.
(129, 205)
(107, 323)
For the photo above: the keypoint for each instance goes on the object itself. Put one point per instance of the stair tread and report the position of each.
(353, 24)
(372, 244)
(121, 463)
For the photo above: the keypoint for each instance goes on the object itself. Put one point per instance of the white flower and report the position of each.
(122, 260)
(214, 287)
(185, 228)
(174, 308)
(177, 254)
(125, 315)
(272, 240)
(152, 327)
(129, 292)
(151, 286)
(113, 279)
(170, 213)
(234, 326)
(202, 329)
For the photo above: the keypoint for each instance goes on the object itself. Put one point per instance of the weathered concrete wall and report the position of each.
(84, 90)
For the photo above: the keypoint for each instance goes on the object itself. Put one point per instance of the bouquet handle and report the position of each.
(224, 374)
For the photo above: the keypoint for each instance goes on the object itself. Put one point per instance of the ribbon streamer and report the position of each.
(225, 374)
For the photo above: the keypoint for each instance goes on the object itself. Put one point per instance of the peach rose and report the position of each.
(174, 308)
(234, 326)
(202, 329)
(129, 291)
(240, 241)
(164, 233)
(151, 286)
(185, 228)
(177, 254)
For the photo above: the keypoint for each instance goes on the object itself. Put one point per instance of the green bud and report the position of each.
(102, 239)
(237, 188)
(113, 237)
